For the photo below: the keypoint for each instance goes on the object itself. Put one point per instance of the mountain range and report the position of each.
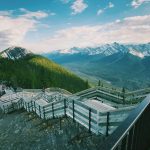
(140, 50)
(20, 67)
(120, 64)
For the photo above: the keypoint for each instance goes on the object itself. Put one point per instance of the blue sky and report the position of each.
(47, 25)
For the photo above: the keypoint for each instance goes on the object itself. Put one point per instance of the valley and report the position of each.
(118, 65)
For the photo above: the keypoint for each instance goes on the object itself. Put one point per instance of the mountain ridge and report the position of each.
(140, 50)
(35, 71)
(123, 68)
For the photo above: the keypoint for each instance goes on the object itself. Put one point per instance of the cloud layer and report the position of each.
(14, 29)
(129, 30)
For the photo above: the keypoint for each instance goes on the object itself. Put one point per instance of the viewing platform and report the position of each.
(100, 112)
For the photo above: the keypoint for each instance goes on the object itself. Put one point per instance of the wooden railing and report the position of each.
(91, 118)
(134, 132)
(94, 120)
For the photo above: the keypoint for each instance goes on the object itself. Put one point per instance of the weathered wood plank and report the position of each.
(84, 111)
(55, 109)
(85, 106)
(85, 115)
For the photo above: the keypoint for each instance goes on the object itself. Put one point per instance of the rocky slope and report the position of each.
(20, 131)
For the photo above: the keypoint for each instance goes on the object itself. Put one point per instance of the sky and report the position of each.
(43, 26)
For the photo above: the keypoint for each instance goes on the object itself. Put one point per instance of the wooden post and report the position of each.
(34, 107)
(7, 109)
(60, 122)
(107, 125)
(20, 103)
(44, 113)
(28, 107)
(90, 120)
(78, 127)
(65, 107)
(4, 108)
(40, 111)
(53, 110)
(73, 110)
(12, 105)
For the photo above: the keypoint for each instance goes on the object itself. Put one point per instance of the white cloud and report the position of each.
(6, 13)
(129, 30)
(78, 6)
(110, 5)
(100, 11)
(37, 14)
(137, 3)
(118, 20)
(14, 29)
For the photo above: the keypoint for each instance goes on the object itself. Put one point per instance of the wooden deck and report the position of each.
(97, 117)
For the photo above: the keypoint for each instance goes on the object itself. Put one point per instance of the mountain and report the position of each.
(107, 49)
(15, 53)
(141, 48)
(27, 70)
(121, 65)
(122, 70)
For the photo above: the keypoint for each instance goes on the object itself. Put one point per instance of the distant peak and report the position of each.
(116, 43)
(15, 52)
(139, 50)
(136, 53)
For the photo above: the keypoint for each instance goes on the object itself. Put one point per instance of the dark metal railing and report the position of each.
(134, 132)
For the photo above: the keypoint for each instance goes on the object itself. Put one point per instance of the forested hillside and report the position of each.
(34, 71)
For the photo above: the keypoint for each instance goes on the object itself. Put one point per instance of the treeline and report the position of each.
(34, 71)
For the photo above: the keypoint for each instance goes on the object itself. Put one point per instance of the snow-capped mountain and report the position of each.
(140, 50)
(121, 65)
(136, 53)
(14, 52)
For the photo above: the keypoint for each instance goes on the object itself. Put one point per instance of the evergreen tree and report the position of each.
(87, 84)
(99, 83)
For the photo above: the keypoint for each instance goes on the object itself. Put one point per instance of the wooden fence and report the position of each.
(109, 121)
(111, 97)
(94, 120)
(84, 115)
(52, 110)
